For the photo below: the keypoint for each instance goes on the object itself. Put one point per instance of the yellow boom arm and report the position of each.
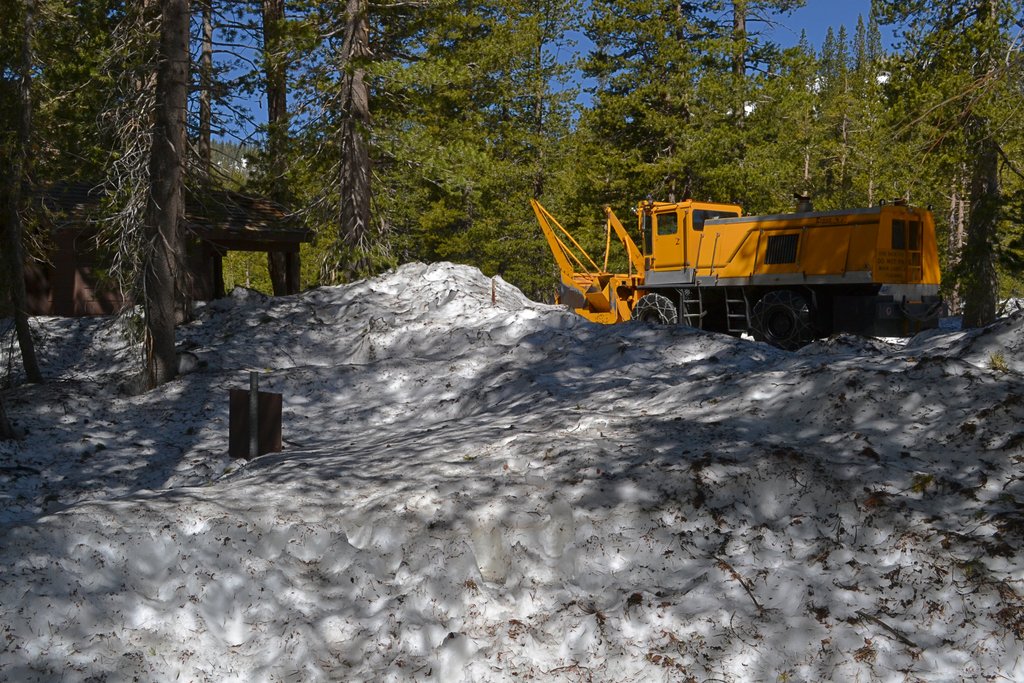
(595, 294)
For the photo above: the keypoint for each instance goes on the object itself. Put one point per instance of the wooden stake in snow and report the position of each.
(6, 431)
(494, 292)
(254, 421)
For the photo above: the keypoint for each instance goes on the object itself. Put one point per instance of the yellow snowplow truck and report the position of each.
(785, 279)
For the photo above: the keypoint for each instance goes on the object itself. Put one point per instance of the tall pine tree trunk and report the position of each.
(165, 207)
(538, 118)
(980, 285)
(957, 231)
(980, 282)
(277, 125)
(354, 177)
(16, 176)
(206, 90)
(739, 38)
(739, 62)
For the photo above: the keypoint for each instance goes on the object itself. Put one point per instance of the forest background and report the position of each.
(418, 130)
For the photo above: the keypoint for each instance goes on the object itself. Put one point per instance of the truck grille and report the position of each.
(781, 249)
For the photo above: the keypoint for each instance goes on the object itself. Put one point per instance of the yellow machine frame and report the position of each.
(857, 245)
(784, 278)
(591, 290)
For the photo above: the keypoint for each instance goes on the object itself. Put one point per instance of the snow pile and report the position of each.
(478, 487)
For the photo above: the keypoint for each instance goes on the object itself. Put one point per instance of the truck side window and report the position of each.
(668, 223)
(701, 215)
(899, 235)
(914, 237)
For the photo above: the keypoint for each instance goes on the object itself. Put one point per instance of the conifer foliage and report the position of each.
(403, 130)
(962, 63)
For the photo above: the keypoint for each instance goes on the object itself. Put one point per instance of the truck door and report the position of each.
(668, 241)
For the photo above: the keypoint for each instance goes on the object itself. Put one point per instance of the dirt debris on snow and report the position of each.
(490, 491)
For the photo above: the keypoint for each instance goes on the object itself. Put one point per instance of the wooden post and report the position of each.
(269, 424)
(6, 431)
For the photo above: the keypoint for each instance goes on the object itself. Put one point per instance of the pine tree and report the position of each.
(469, 130)
(165, 209)
(276, 88)
(869, 131)
(783, 142)
(740, 61)
(836, 103)
(341, 50)
(644, 62)
(678, 95)
(73, 88)
(957, 71)
(523, 126)
(17, 150)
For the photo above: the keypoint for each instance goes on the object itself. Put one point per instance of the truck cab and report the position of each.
(673, 235)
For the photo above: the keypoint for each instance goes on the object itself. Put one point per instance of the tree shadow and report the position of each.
(578, 498)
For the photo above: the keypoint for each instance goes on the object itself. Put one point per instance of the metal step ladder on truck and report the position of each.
(785, 279)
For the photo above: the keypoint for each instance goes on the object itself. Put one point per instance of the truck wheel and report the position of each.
(783, 319)
(655, 308)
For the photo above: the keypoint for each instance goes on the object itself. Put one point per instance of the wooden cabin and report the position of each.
(74, 283)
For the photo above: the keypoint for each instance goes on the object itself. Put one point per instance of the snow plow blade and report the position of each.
(590, 290)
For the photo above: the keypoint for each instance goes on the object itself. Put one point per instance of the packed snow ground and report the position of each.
(497, 491)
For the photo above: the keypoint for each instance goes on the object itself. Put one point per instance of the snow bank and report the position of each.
(485, 490)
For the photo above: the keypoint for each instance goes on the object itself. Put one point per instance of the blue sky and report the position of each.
(817, 15)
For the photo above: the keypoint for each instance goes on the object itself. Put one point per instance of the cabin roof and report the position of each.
(216, 215)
